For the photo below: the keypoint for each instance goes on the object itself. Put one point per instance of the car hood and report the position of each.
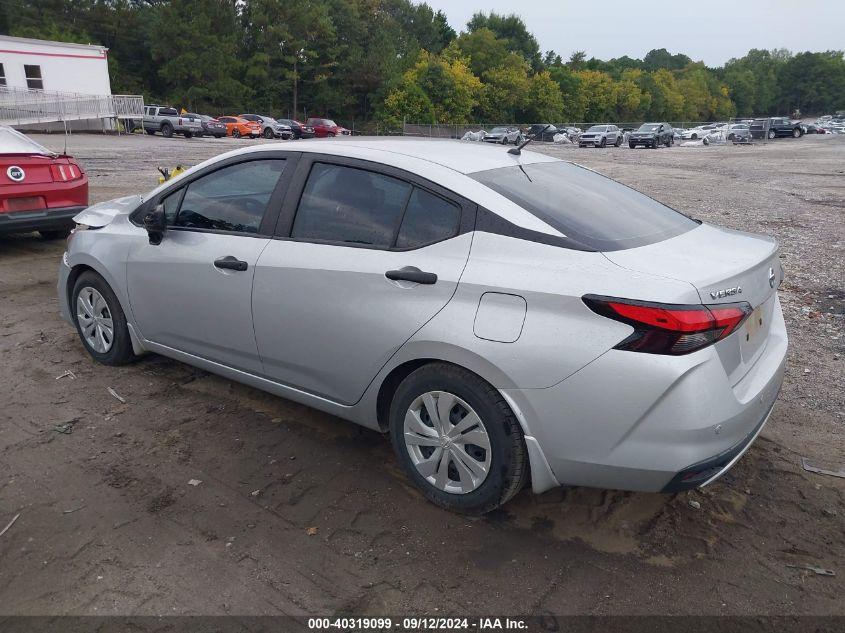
(102, 213)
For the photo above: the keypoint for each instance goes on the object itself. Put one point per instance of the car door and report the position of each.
(366, 255)
(193, 291)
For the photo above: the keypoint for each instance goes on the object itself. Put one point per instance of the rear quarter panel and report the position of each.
(560, 335)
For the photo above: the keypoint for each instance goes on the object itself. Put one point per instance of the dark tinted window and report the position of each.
(231, 199)
(344, 204)
(596, 211)
(428, 219)
(171, 206)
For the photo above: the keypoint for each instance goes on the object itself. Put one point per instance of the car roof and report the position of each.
(461, 156)
(443, 161)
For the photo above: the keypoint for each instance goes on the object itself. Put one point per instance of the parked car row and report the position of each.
(167, 121)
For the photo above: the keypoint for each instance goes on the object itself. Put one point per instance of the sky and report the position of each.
(712, 31)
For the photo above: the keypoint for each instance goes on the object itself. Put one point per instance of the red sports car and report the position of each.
(39, 189)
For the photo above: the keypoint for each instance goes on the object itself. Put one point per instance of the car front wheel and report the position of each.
(268, 133)
(771, 134)
(797, 133)
(100, 321)
(458, 439)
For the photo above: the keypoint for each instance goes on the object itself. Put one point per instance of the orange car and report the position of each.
(238, 127)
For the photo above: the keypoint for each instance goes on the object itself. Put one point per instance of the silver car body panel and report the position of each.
(329, 328)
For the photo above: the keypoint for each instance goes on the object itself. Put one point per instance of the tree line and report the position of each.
(390, 61)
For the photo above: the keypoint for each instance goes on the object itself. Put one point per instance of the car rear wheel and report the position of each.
(189, 134)
(100, 321)
(603, 142)
(55, 234)
(771, 134)
(694, 136)
(150, 132)
(457, 439)
(167, 130)
(618, 142)
(631, 145)
(236, 133)
(797, 133)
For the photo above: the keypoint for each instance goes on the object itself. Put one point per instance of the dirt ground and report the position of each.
(300, 513)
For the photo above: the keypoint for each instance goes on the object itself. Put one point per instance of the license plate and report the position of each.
(25, 204)
(754, 322)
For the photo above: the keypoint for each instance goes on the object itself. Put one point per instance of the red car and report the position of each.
(326, 127)
(39, 189)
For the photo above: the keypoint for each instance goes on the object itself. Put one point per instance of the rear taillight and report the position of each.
(65, 172)
(661, 328)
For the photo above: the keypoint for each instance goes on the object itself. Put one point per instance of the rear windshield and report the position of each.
(596, 211)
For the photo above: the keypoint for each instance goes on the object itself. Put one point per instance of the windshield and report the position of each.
(498, 130)
(649, 127)
(596, 211)
(597, 128)
(329, 123)
(13, 142)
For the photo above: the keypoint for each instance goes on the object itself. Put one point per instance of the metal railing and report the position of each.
(20, 106)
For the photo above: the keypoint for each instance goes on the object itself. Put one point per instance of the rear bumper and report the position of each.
(46, 219)
(653, 423)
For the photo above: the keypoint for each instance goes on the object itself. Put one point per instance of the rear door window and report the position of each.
(598, 212)
(350, 205)
(428, 219)
(233, 198)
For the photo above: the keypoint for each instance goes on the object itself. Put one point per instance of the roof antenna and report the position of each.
(64, 122)
(516, 151)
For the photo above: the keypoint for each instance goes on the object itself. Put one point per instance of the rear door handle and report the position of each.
(411, 273)
(231, 263)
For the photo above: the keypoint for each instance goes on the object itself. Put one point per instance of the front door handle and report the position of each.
(231, 263)
(411, 273)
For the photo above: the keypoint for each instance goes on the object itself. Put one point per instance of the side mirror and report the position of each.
(156, 224)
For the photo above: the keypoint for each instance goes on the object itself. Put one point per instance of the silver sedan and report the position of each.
(504, 315)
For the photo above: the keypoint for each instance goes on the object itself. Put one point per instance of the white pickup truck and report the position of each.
(168, 121)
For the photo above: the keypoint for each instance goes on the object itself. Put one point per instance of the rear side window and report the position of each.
(428, 219)
(230, 199)
(596, 211)
(345, 204)
(167, 112)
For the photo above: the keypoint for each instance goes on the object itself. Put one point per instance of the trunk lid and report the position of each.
(36, 169)
(724, 266)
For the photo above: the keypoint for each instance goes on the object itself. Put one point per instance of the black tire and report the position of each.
(236, 133)
(55, 234)
(694, 136)
(797, 132)
(731, 136)
(120, 352)
(219, 135)
(331, 134)
(166, 130)
(268, 133)
(188, 134)
(150, 132)
(632, 146)
(618, 142)
(771, 134)
(509, 460)
(603, 142)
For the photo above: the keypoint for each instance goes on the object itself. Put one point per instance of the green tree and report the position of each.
(447, 84)
(194, 43)
(483, 50)
(512, 29)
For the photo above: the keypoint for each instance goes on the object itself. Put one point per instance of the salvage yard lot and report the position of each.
(298, 512)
